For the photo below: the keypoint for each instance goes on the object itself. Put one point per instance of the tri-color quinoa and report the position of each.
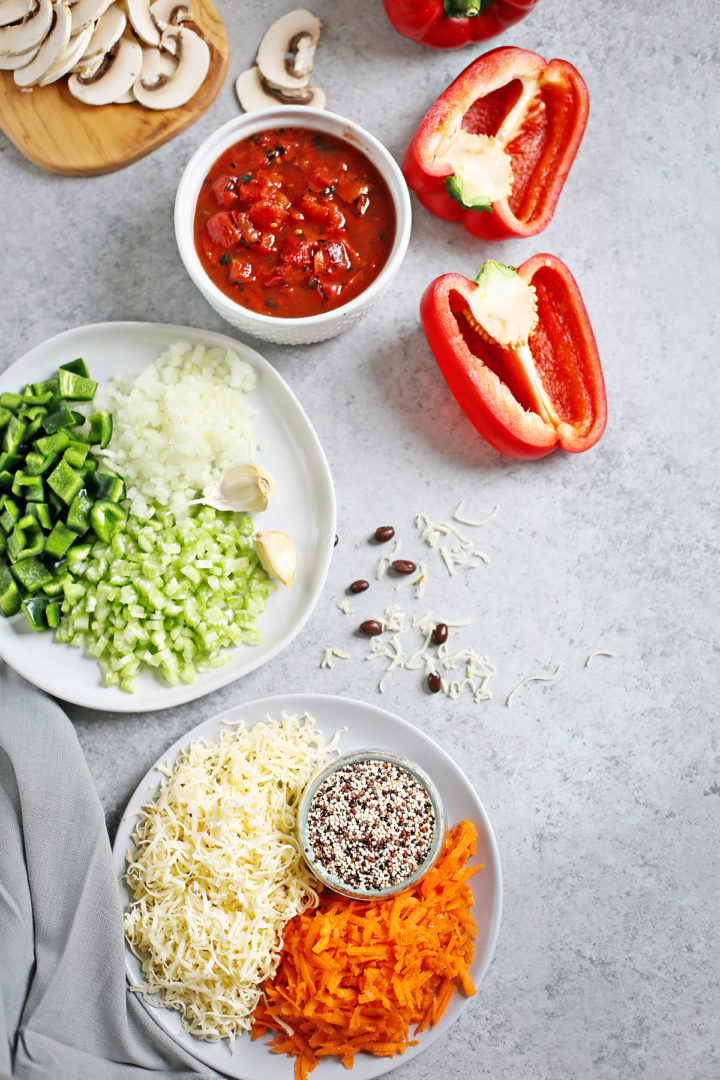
(370, 825)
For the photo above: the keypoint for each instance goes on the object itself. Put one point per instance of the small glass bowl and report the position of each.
(334, 883)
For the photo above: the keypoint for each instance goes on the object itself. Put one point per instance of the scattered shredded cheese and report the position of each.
(217, 872)
(532, 678)
(467, 521)
(599, 652)
(344, 607)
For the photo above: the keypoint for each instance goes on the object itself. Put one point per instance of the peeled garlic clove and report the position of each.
(276, 553)
(240, 487)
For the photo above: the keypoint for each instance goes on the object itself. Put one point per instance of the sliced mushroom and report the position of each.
(108, 29)
(113, 78)
(55, 43)
(31, 30)
(12, 61)
(171, 91)
(142, 22)
(69, 57)
(286, 51)
(166, 13)
(87, 11)
(254, 93)
(13, 10)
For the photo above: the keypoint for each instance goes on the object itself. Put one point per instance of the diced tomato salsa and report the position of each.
(292, 222)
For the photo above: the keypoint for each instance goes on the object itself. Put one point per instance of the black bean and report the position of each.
(434, 682)
(371, 627)
(384, 533)
(404, 566)
(359, 586)
(440, 634)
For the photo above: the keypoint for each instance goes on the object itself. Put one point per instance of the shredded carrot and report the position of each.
(358, 975)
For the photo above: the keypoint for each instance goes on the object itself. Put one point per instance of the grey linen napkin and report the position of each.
(64, 1001)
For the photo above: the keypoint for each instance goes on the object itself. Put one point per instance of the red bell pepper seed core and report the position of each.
(359, 586)
(371, 627)
(383, 533)
(440, 634)
(404, 566)
(434, 682)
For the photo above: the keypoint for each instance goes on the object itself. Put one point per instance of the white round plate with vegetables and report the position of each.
(360, 726)
(303, 507)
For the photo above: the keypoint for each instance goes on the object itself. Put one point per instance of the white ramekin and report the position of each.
(305, 330)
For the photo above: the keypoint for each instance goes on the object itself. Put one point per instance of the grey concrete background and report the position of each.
(603, 784)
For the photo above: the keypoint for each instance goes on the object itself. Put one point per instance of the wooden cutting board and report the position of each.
(61, 134)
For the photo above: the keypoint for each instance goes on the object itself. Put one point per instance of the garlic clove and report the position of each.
(276, 553)
(240, 487)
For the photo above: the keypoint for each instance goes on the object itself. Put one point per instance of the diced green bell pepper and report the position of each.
(53, 444)
(78, 516)
(31, 487)
(35, 609)
(9, 400)
(102, 485)
(78, 367)
(14, 434)
(5, 415)
(76, 453)
(10, 597)
(74, 387)
(58, 417)
(105, 517)
(40, 511)
(59, 540)
(31, 573)
(65, 482)
(101, 427)
(10, 515)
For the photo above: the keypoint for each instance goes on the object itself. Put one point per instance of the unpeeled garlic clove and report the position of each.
(276, 553)
(240, 487)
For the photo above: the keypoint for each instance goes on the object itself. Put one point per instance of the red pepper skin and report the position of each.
(541, 151)
(487, 381)
(427, 23)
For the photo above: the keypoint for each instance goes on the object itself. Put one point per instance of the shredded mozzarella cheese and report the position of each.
(217, 872)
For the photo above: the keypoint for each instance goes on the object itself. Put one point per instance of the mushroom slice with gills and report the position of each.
(142, 22)
(13, 10)
(114, 76)
(87, 11)
(53, 45)
(173, 90)
(109, 28)
(154, 64)
(286, 51)
(253, 93)
(166, 13)
(21, 36)
(69, 57)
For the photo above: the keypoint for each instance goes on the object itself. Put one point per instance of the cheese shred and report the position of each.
(216, 872)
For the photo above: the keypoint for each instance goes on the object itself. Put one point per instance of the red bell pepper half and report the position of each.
(518, 352)
(495, 148)
(450, 24)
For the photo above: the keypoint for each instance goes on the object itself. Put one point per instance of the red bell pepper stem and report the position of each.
(450, 24)
(533, 113)
(559, 402)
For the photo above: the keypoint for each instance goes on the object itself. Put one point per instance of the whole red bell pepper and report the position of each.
(518, 352)
(495, 149)
(450, 24)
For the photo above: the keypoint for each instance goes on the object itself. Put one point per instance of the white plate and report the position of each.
(304, 507)
(366, 726)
